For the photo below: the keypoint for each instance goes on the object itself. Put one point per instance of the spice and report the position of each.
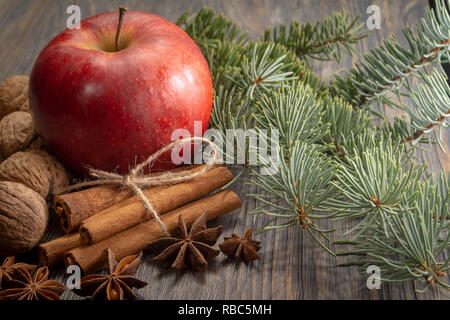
(52, 253)
(24, 286)
(163, 199)
(241, 248)
(74, 208)
(191, 249)
(9, 266)
(118, 284)
(93, 257)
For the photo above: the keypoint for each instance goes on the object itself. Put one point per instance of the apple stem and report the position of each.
(122, 11)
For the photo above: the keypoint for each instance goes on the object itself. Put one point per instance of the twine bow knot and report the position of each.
(136, 180)
(127, 179)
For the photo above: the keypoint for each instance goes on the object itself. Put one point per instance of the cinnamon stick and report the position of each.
(100, 227)
(73, 208)
(92, 258)
(52, 253)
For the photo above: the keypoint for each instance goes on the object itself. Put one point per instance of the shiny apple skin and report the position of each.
(110, 110)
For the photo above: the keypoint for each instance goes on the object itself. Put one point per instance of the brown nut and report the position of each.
(37, 170)
(60, 177)
(36, 143)
(16, 132)
(14, 95)
(23, 218)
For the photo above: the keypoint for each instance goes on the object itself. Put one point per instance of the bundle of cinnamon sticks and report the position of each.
(105, 217)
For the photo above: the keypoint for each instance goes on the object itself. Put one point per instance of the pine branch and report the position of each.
(237, 93)
(431, 106)
(374, 139)
(374, 182)
(369, 176)
(230, 111)
(323, 41)
(428, 112)
(224, 60)
(344, 121)
(301, 185)
(300, 70)
(227, 48)
(418, 235)
(207, 29)
(385, 69)
(295, 111)
(259, 72)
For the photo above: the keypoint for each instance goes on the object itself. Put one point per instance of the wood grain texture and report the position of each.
(292, 266)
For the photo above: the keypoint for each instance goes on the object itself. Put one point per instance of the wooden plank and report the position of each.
(292, 266)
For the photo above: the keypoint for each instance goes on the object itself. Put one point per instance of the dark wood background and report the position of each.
(291, 266)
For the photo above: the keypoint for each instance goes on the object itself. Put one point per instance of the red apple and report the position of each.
(110, 109)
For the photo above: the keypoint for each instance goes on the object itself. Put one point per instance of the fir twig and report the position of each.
(295, 112)
(385, 69)
(344, 121)
(259, 72)
(402, 223)
(431, 107)
(301, 185)
(374, 183)
(418, 235)
(207, 29)
(324, 40)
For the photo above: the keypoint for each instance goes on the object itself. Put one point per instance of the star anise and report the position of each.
(9, 265)
(23, 286)
(191, 249)
(241, 248)
(118, 284)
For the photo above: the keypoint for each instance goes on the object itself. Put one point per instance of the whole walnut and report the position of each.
(14, 95)
(16, 132)
(23, 218)
(35, 169)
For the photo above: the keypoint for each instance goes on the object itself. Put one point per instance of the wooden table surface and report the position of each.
(291, 266)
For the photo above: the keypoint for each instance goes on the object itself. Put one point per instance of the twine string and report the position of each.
(137, 181)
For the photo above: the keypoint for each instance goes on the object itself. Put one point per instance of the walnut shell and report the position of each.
(16, 132)
(14, 95)
(23, 218)
(36, 143)
(36, 169)
(58, 174)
